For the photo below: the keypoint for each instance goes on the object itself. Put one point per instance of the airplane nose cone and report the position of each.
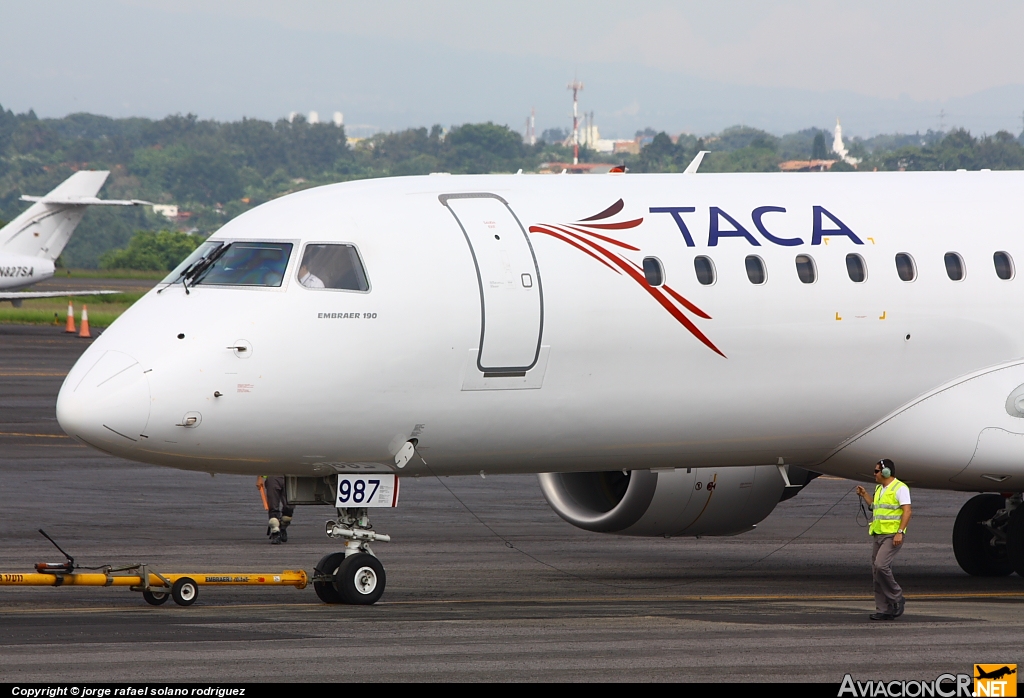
(107, 405)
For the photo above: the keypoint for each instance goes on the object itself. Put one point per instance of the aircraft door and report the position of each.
(511, 301)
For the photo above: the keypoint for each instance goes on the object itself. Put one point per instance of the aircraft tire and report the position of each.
(1015, 540)
(328, 566)
(360, 580)
(972, 541)
(156, 598)
(185, 591)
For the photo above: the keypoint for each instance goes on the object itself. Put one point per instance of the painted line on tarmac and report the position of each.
(725, 597)
(11, 374)
(35, 436)
(530, 602)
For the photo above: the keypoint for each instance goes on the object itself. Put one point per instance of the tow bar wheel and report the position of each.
(155, 598)
(360, 579)
(184, 591)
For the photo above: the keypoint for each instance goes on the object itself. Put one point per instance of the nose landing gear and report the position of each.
(988, 536)
(355, 575)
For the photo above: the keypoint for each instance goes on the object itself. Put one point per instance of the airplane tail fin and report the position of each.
(45, 228)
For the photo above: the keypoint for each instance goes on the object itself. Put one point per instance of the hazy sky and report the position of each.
(682, 65)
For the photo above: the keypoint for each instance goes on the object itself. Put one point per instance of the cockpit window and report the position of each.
(191, 261)
(332, 267)
(247, 264)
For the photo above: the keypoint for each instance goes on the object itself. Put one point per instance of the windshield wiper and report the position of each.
(195, 274)
(179, 276)
(185, 273)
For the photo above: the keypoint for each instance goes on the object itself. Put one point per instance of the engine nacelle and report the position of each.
(681, 502)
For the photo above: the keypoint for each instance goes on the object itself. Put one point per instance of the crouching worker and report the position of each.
(275, 501)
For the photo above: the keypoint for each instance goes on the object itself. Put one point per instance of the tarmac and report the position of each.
(493, 587)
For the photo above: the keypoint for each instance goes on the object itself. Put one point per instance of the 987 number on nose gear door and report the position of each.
(370, 490)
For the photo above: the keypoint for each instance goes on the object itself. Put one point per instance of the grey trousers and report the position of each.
(277, 499)
(887, 592)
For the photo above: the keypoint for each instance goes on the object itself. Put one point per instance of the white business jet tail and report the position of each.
(45, 228)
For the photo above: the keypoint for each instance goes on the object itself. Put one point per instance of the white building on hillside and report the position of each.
(839, 149)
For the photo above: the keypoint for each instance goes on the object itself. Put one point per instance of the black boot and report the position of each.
(275, 538)
(897, 610)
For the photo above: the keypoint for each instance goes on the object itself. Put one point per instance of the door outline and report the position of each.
(494, 371)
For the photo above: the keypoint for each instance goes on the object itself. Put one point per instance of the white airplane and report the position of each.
(672, 354)
(31, 243)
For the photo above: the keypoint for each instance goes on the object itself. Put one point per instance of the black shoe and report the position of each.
(275, 538)
(284, 534)
(882, 616)
(897, 610)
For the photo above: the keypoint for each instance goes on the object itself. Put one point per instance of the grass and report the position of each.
(103, 310)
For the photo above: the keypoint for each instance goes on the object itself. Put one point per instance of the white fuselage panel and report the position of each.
(536, 284)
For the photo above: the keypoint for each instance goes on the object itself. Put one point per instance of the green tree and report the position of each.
(818, 149)
(160, 251)
(483, 148)
(662, 155)
(736, 137)
(103, 228)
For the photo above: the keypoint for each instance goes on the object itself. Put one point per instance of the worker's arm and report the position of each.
(864, 495)
(261, 485)
(904, 520)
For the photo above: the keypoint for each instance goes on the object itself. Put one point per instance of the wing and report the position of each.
(84, 201)
(50, 294)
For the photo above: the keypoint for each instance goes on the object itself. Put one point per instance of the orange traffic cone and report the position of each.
(70, 329)
(84, 332)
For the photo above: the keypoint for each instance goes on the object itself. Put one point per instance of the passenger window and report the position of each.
(856, 268)
(805, 269)
(247, 264)
(335, 267)
(905, 267)
(1004, 265)
(954, 266)
(705, 269)
(653, 271)
(755, 270)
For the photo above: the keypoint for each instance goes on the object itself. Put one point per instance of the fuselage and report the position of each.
(21, 271)
(550, 350)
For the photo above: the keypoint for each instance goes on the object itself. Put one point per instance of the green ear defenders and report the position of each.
(888, 467)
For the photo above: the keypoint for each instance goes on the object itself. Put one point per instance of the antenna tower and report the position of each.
(576, 86)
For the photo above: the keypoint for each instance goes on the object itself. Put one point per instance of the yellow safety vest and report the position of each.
(886, 510)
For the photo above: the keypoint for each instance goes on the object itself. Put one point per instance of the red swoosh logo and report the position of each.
(582, 236)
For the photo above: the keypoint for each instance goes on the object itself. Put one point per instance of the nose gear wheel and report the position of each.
(325, 570)
(353, 576)
(360, 579)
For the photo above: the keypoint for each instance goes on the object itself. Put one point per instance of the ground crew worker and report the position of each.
(890, 516)
(278, 509)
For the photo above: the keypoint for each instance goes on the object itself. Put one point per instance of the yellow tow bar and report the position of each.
(156, 588)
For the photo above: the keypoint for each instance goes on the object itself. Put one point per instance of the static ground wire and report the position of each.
(863, 512)
(509, 544)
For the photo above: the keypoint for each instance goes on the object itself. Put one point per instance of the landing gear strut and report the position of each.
(355, 575)
(988, 536)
